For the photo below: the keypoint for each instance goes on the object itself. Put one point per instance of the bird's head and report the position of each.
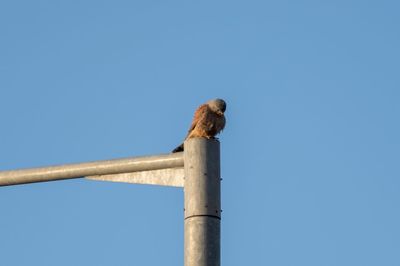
(217, 105)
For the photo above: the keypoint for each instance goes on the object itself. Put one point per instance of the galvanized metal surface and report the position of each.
(202, 241)
(79, 170)
(172, 177)
(202, 171)
(202, 202)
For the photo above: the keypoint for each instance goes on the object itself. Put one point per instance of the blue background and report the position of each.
(310, 154)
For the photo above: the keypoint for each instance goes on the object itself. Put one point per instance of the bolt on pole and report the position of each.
(202, 192)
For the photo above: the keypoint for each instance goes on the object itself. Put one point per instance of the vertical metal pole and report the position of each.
(202, 202)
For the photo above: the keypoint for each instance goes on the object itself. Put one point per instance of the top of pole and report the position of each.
(202, 202)
(202, 177)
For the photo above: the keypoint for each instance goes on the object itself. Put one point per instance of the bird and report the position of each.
(208, 121)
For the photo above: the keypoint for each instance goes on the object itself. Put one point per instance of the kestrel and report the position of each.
(207, 122)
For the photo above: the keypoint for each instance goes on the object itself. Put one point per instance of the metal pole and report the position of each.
(78, 170)
(202, 202)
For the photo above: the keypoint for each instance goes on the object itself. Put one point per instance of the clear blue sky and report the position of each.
(310, 154)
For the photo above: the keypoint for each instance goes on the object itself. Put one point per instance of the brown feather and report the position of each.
(206, 123)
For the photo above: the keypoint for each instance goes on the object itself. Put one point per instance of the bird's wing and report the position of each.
(221, 124)
(199, 115)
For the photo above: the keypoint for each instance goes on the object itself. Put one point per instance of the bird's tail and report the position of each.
(178, 149)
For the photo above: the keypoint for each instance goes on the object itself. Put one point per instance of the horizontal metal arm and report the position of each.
(69, 171)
